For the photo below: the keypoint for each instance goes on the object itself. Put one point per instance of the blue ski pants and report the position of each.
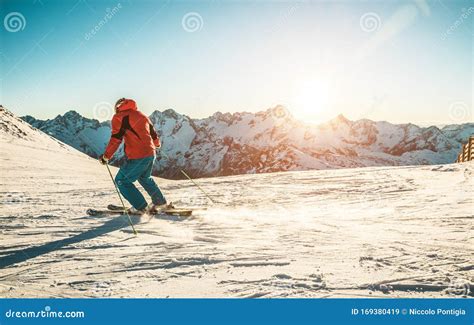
(138, 170)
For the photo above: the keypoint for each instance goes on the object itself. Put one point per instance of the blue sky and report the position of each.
(401, 61)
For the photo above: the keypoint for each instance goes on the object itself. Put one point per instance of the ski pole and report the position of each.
(187, 176)
(121, 200)
(199, 187)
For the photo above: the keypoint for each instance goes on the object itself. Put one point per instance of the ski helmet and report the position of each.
(119, 103)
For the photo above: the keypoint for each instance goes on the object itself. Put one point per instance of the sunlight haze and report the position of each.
(397, 61)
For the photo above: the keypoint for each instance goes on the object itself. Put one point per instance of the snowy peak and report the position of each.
(341, 119)
(225, 117)
(278, 112)
(87, 135)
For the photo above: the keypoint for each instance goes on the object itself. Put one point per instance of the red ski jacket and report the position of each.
(135, 129)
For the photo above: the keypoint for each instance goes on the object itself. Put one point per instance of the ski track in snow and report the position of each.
(370, 232)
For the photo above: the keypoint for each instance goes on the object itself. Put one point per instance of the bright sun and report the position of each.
(311, 99)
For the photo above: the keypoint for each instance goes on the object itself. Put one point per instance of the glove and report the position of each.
(103, 160)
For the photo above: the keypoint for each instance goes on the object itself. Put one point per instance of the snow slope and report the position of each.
(242, 143)
(366, 232)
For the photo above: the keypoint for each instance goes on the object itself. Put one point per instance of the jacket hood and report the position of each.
(127, 104)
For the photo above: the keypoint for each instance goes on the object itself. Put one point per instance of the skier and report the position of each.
(141, 140)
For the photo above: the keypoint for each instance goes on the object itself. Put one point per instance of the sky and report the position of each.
(399, 61)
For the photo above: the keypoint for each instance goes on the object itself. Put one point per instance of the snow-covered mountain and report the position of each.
(269, 141)
(87, 135)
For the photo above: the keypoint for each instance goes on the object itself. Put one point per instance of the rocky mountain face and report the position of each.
(87, 135)
(268, 141)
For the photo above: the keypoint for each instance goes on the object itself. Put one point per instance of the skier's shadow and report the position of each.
(22, 255)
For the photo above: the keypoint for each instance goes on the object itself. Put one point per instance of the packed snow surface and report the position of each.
(367, 232)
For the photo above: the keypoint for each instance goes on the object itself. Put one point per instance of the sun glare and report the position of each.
(311, 100)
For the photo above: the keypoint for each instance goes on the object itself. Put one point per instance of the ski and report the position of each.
(98, 212)
(167, 211)
(170, 209)
(114, 207)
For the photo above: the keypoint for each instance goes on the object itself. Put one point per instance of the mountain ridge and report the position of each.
(268, 141)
